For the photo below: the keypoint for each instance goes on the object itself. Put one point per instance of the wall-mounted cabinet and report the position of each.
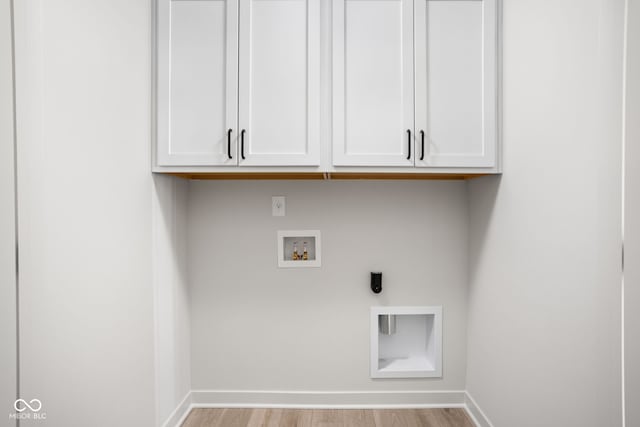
(456, 83)
(279, 83)
(329, 86)
(197, 83)
(372, 82)
(414, 83)
(238, 83)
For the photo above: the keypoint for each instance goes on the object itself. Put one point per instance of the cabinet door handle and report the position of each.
(409, 143)
(242, 144)
(229, 144)
(422, 138)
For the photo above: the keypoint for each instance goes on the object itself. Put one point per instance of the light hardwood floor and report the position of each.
(328, 418)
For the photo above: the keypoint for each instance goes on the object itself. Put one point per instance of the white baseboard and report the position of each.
(476, 414)
(328, 399)
(180, 414)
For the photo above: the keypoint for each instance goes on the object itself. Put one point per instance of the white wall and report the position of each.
(544, 303)
(632, 217)
(171, 300)
(257, 327)
(7, 223)
(85, 210)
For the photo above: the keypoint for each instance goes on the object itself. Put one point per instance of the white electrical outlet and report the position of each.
(277, 205)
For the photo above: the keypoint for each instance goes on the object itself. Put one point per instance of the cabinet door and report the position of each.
(279, 82)
(373, 108)
(197, 82)
(455, 83)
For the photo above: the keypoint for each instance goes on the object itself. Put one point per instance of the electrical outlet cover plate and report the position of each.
(278, 204)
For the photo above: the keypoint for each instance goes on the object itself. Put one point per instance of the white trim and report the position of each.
(625, 50)
(305, 406)
(328, 399)
(181, 412)
(474, 411)
(155, 209)
(498, 96)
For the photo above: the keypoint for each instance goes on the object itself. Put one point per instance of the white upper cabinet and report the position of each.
(405, 86)
(238, 83)
(373, 109)
(451, 45)
(455, 62)
(279, 82)
(197, 82)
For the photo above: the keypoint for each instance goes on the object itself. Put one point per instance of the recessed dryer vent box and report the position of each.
(292, 245)
(406, 342)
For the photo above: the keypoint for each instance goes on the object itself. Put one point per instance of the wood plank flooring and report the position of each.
(455, 417)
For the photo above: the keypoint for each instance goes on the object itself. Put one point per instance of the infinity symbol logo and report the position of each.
(37, 405)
